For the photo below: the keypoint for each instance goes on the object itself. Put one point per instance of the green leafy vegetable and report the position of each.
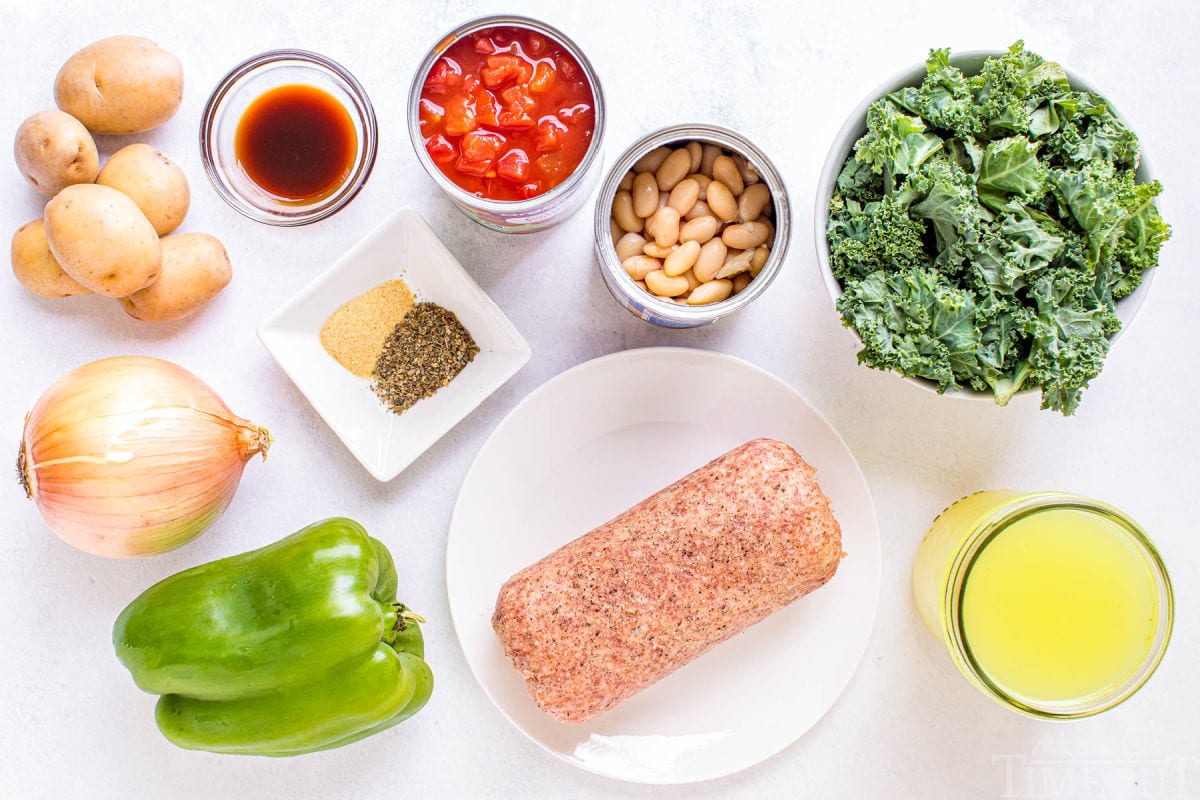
(985, 227)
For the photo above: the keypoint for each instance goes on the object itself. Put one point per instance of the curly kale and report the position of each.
(985, 227)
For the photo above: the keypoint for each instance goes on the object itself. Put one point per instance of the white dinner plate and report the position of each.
(589, 444)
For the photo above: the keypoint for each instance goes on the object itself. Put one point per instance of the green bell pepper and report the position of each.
(295, 647)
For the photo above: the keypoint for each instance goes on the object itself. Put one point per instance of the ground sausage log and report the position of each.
(626, 604)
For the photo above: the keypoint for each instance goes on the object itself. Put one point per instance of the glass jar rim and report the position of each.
(986, 531)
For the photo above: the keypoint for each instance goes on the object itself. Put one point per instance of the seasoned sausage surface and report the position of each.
(631, 601)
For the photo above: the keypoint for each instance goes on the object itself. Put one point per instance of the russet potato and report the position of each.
(154, 182)
(35, 266)
(53, 151)
(195, 267)
(102, 239)
(120, 85)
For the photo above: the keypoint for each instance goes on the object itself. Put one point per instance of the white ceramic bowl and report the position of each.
(402, 247)
(970, 62)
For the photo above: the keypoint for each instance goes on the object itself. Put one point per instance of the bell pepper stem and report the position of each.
(404, 615)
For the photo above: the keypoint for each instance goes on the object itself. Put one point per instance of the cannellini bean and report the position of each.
(654, 250)
(747, 170)
(622, 212)
(725, 171)
(711, 292)
(674, 169)
(629, 245)
(696, 152)
(759, 259)
(770, 232)
(652, 160)
(709, 153)
(665, 286)
(741, 281)
(626, 183)
(736, 262)
(745, 236)
(703, 180)
(641, 285)
(722, 202)
(700, 229)
(684, 196)
(664, 226)
(752, 202)
(710, 260)
(639, 267)
(682, 258)
(692, 280)
(663, 197)
(699, 209)
(645, 194)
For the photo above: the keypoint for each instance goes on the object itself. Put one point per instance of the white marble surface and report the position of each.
(73, 725)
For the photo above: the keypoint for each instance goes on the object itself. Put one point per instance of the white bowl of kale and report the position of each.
(986, 226)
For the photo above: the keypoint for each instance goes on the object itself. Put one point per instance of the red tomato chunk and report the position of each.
(507, 114)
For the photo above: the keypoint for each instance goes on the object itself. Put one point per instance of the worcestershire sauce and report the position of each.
(296, 142)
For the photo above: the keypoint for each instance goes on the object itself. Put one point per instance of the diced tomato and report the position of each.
(554, 167)
(485, 108)
(504, 67)
(481, 145)
(431, 113)
(574, 113)
(549, 134)
(518, 108)
(514, 166)
(440, 149)
(510, 118)
(460, 115)
(444, 76)
(507, 113)
(543, 76)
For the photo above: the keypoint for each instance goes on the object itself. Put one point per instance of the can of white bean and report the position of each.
(656, 204)
(507, 116)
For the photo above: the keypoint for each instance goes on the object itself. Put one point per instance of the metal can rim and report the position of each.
(667, 313)
(457, 193)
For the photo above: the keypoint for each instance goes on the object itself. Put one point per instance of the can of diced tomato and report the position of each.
(506, 114)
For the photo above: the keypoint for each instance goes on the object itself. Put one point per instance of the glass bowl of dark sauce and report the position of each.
(288, 137)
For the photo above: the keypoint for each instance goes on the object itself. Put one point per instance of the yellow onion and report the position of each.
(131, 456)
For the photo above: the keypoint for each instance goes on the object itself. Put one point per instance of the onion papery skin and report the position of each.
(132, 456)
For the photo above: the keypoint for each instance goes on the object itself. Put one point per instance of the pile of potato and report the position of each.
(109, 231)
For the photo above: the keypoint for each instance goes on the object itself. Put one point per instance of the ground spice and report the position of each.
(424, 353)
(354, 334)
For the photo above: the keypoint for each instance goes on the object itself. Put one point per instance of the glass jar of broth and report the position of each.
(1055, 605)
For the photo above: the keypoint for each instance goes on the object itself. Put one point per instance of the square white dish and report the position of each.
(403, 247)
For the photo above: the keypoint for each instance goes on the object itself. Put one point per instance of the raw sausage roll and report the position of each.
(626, 604)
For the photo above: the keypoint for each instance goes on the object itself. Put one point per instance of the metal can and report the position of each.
(665, 312)
(519, 216)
